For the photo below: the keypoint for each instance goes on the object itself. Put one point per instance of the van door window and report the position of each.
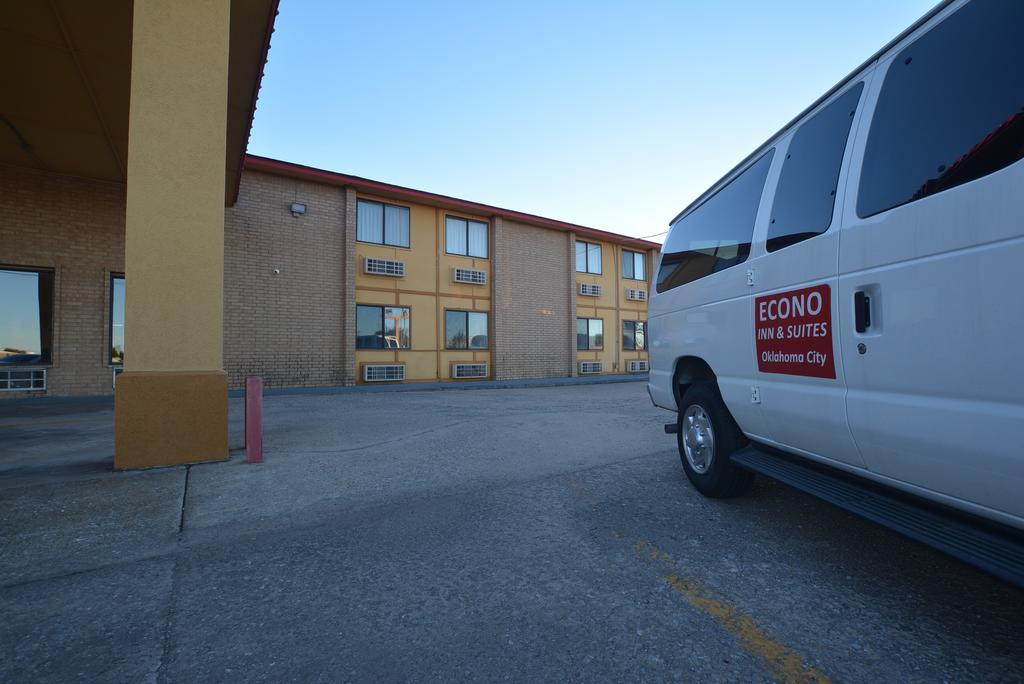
(951, 109)
(806, 196)
(717, 234)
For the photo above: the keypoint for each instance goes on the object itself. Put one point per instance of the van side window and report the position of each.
(951, 109)
(717, 234)
(806, 196)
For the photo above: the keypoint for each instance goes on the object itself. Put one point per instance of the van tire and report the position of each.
(708, 423)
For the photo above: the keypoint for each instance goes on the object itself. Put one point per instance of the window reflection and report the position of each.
(633, 337)
(717, 234)
(951, 109)
(382, 327)
(589, 333)
(26, 316)
(117, 320)
(465, 330)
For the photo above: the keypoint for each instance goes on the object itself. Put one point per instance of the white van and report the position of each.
(853, 292)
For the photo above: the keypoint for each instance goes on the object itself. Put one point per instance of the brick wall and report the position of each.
(296, 328)
(290, 328)
(532, 302)
(75, 227)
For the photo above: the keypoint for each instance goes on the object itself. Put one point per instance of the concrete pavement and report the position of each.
(523, 534)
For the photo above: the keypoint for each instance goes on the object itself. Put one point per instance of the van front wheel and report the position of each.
(707, 436)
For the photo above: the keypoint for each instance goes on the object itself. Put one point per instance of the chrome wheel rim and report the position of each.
(698, 439)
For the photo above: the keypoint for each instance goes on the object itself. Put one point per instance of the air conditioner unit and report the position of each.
(384, 267)
(469, 276)
(636, 295)
(33, 380)
(590, 290)
(589, 367)
(469, 370)
(639, 366)
(392, 372)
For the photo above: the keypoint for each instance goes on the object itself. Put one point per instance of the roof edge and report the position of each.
(264, 55)
(282, 168)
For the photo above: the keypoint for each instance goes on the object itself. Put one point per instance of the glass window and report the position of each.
(384, 224)
(382, 327)
(951, 109)
(806, 194)
(633, 265)
(26, 316)
(477, 330)
(581, 257)
(455, 234)
(396, 327)
(588, 257)
(477, 239)
(396, 225)
(465, 330)
(117, 319)
(465, 237)
(589, 333)
(717, 234)
(633, 335)
(593, 258)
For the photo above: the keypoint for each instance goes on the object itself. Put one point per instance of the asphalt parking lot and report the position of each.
(543, 534)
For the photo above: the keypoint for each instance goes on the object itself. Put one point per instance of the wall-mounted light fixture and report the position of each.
(298, 208)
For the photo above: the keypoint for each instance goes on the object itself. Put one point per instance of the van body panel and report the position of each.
(700, 320)
(934, 393)
(927, 312)
(800, 411)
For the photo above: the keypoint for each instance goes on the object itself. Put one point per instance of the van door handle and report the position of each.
(861, 311)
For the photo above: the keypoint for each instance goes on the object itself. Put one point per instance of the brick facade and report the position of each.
(75, 227)
(295, 327)
(532, 303)
(290, 327)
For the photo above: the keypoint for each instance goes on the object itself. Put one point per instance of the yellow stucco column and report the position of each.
(171, 400)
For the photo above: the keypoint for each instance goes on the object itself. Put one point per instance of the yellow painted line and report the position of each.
(784, 662)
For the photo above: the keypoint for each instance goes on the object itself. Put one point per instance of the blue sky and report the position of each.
(609, 114)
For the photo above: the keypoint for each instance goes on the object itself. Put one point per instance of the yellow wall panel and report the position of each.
(419, 365)
(364, 296)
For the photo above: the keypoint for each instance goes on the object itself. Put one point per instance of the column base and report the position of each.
(169, 418)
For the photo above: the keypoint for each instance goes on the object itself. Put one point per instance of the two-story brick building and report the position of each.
(137, 236)
(328, 279)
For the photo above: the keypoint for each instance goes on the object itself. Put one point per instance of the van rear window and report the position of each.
(806, 197)
(951, 109)
(717, 234)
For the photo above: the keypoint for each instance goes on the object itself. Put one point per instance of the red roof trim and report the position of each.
(275, 166)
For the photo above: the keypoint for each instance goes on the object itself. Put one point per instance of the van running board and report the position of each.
(981, 544)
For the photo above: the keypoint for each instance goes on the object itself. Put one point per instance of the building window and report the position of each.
(382, 327)
(588, 257)
(26, 316)
(805, 199)
(117, 320)
(634, 335)
(383, 224)
(716, 234)
(633, 265)
(589, 333)
(949, 111)
(465, 330)
(465, 237)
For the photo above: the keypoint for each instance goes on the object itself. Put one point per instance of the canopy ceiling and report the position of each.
(65, 79)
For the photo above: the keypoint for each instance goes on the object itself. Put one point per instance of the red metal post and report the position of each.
(254, 419)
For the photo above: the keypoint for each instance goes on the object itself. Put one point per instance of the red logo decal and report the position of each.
(794, 332)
